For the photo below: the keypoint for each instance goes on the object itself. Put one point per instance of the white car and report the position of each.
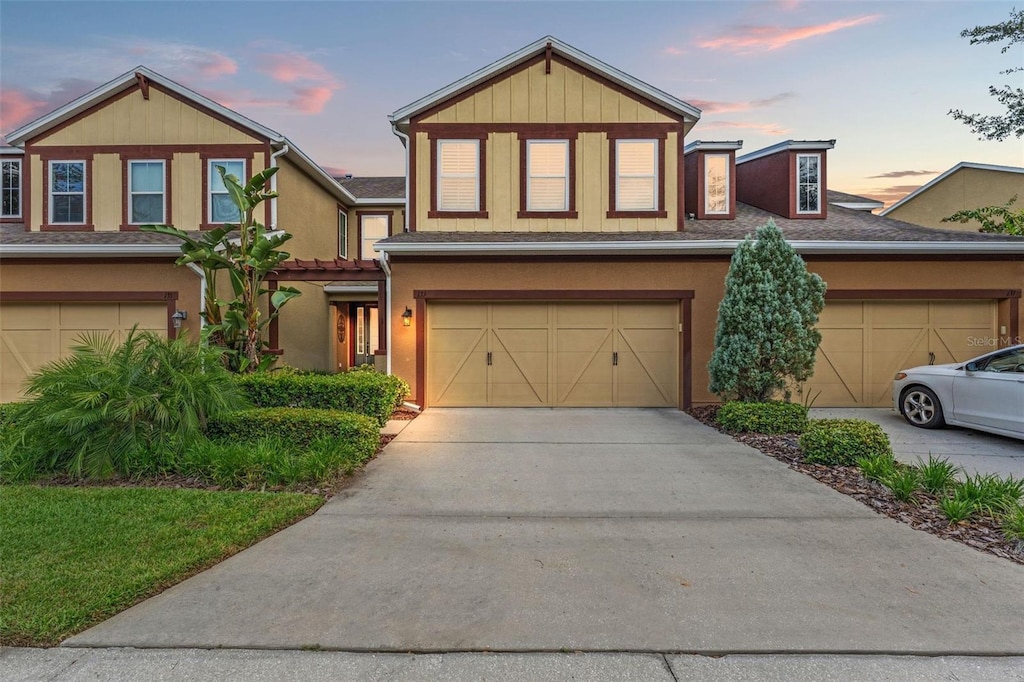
(986, 393)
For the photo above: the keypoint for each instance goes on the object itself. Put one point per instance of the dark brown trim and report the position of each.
(524, 180)
(327, 275)
(205, 158)
(553, 294)
(680, 183)
(647, 131)
(413, 188)
(909, 294)
(481, 186)
(382, 318)
(1015, 320)
(267, 153)
(547, 59)
(143, 84)
(420, 322)
(359, 219)
(88, 226)
(125, 197)
(613, 211)
(343, 256)
(170, 297)
(686, 350)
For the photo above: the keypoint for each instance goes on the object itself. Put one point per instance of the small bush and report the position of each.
(990, 494)
(1012, 524)
(938, 474)
(299, 426)
(370, 393)
(771, 417)
(956, 509)
(877, 467)
(843, 441)
(903, 483)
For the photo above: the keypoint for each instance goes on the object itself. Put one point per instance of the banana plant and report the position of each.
(247, 252)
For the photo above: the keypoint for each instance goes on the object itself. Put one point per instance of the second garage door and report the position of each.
(34, 334)
(864, 343)
(553, 354)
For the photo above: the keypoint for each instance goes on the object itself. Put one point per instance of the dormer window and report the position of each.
(716, 183)
(808, 183)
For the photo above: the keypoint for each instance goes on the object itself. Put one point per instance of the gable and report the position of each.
(129, 118)
(528, 94)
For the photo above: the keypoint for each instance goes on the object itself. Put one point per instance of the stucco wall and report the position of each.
(965, 189)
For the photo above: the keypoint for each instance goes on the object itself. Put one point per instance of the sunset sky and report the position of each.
(878, 77)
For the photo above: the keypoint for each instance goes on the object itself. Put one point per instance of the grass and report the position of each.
(73, 557)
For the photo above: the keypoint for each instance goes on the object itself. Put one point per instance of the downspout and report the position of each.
(202, 292)
(386, 267)
(273, 185)
(405, 143)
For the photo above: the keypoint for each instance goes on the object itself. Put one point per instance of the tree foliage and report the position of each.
(997, 219)
(765, 336)
(998, 127)
(247, 252)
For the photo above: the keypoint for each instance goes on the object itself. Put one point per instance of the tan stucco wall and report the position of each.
(109, 276)
(530, 95)
(965, 189)
(706, 278)
(307, 211)
(161, 119)
(503, 191)
(306, 328)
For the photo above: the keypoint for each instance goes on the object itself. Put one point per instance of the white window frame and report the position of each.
(441, 177)
(162, 192)
(84, 192)
(619, 175)
(211, 173)
(17, 189)
(817, 181)
(728, 184)
(530, 175)
(362, 232)
(342, 234)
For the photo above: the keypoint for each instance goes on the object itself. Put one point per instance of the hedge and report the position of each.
(301, 426)
(843, 441)
(370, 393)
(772, 417)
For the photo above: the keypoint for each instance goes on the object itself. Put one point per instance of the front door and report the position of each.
(365, 338)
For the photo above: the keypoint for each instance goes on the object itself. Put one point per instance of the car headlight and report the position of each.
(900, 376)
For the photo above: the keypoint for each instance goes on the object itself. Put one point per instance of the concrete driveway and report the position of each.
(974, 451)
(595, 530)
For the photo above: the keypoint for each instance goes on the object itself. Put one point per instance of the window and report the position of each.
(10, 189)
(146, 192)
(342, 234)
(808, 183)
(547, 179)
(636, 179)
(222, 209)
(67, 192)
(458, 171)
(372, 228)
(716, 183)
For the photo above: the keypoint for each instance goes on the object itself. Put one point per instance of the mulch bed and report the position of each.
(981, 533)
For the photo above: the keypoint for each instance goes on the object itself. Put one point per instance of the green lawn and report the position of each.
(71, 557)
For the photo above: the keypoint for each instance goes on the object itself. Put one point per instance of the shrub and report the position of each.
(771, 417)
(877, 467)
(989, 493)
(956, 509)
(270, 462)
(843, 441)
(299, 426)
(10, 414)
(370, 393)
(938, 474)
(903, 483)
(1012, 524)
(107, 405)
(765, 336)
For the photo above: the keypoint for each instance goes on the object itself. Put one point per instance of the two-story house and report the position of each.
(560, 239)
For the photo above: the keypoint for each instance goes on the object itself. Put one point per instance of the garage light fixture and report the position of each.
(407, 317)
(178, 317)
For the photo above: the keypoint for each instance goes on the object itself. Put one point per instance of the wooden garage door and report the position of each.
(553, 354)
(33, 334)
(864, 343)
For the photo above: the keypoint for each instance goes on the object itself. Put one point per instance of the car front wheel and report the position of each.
(921, 408)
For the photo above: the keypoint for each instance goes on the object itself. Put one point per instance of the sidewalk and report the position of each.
(226, 665)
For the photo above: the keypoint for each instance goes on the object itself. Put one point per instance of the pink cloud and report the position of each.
(288, 67)
(720, 106)
(766, 128)
(336, 171)
(311, 100)
(215, 64)
(17, 107)
(673, 51)
(746, 39)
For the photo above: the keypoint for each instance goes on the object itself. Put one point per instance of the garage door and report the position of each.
(553, 354)
(33, 334)
(864, 343)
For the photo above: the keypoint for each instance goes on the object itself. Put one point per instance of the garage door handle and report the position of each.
(931, 358)
(490, 358)
(615, 359)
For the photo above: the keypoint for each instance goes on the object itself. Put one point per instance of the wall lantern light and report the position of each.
(407, 317)
(178, 317)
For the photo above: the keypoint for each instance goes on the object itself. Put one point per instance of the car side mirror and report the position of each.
(971, 367)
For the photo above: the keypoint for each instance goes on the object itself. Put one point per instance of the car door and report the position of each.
(993, 394)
